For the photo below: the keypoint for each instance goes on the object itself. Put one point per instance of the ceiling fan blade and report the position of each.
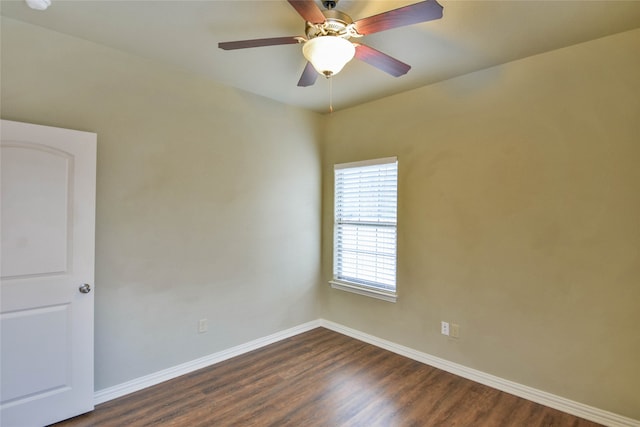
(380, 60)
(308, 10)
(243, 44)
(419, 12)
(309, 76)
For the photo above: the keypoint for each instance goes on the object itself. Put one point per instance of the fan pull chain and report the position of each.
(330, 95)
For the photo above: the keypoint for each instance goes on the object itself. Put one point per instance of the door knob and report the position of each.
(85, 289)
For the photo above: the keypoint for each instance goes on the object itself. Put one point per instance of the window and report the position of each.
(364, 241)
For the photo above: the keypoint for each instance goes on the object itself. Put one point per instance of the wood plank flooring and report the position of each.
(322, 378)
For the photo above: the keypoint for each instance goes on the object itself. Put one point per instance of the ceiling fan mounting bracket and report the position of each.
(329, 4)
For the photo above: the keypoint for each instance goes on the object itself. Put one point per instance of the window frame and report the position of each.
(361, 287)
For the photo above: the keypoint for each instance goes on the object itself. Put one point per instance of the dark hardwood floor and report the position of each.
(322, 378)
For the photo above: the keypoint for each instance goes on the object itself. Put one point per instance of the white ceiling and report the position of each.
(472, 35)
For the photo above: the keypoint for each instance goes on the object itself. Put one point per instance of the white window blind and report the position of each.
(365, 224)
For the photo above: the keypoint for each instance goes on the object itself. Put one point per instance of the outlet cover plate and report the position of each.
(444, 328)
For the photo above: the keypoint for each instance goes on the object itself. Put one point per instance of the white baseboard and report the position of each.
(542, 397)
(137, 384)
(529, 393)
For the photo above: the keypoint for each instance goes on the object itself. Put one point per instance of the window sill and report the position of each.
(361, 290)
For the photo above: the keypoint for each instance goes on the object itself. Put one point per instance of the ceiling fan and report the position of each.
(327, 47)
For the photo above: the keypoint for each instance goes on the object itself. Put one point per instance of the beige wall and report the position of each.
(197, 212)
(519, 219)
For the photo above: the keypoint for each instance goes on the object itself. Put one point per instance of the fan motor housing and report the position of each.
(336, 24)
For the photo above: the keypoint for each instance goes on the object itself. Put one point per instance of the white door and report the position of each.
(46, 310)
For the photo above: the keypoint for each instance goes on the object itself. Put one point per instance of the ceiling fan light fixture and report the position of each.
(328, 54)
(38, 4)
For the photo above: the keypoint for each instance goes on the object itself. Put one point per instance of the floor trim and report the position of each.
(542, 397)
(137, 384)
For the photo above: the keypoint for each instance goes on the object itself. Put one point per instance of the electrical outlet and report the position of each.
(444, 328)
(455, 330)
(203, 326)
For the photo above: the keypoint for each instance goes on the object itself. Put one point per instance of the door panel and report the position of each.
(48, 226)
(43, 365)
(36, 236)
